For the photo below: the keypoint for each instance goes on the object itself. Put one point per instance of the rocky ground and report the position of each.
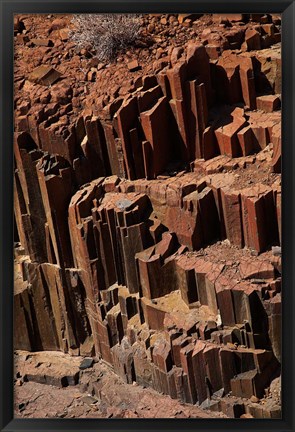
(93, 391)
(96, 393)
(45, 40)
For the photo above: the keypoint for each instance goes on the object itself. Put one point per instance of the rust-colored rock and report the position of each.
(44, 75)
(148, 213)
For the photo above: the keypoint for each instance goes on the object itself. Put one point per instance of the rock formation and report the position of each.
(148, 217)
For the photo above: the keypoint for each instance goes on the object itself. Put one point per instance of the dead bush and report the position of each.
(105, 34)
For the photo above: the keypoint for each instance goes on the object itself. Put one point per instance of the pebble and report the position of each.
(86, 363)
(254, 399)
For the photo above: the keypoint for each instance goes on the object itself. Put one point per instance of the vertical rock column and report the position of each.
(28, 206)
(55, 181)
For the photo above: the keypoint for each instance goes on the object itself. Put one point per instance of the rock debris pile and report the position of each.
(148, 205)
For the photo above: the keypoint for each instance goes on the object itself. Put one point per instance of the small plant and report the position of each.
(106, 34)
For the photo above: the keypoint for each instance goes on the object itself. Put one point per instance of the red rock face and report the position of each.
(149, 219)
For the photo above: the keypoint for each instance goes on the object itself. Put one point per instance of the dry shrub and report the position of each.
(105, 34)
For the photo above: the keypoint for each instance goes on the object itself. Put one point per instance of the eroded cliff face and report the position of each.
(149, 219)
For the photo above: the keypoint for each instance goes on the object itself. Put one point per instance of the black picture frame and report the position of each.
(8, 8)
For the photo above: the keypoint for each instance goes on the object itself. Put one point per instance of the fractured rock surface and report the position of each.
(146, 212)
